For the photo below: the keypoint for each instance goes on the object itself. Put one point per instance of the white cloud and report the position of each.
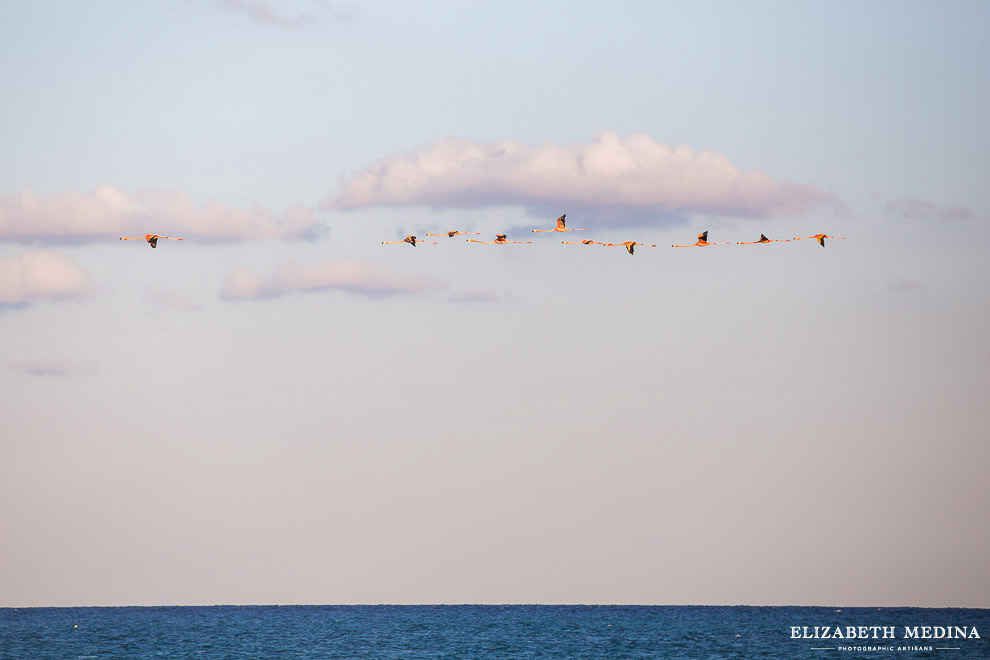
(170, 300)
(480, 296)
(41, 275)
(54, 367)
(611, 176)
(349, 276)
(923, 209)
(900, 285)
(108, 213)
(307, 14)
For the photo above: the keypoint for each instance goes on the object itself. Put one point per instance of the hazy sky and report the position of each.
(280, 409)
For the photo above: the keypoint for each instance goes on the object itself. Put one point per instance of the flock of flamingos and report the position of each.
(501, 239)
(629, 245)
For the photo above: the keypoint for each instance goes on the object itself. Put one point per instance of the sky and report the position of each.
(281, 409)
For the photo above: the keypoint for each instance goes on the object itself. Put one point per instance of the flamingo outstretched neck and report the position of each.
(561, 226)
(702, 241)
(820, 238)
(412, 240)
(764, 239)
(500, 239)
(629, 245)
(151, 238)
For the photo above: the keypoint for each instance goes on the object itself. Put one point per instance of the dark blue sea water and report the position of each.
(484, 631)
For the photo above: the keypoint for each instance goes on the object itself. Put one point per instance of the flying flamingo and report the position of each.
(151, 238)
(702, 241)
(821, 238)
(764, 239)
(561, 226)
(412, 240)
(629, 245)
(499, 240)
(584, 242)
(451, 234)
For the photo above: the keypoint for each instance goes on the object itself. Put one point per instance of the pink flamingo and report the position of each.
(561, 226)
(451, 234)
(151, 238)
(820, 237)
(499, 240)
(764, 239)
(702, 241)
(629, 245)
(412, 240)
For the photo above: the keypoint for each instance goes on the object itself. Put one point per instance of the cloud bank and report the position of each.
(613, 175)
(353, 277)
(108, 213)
(41, 275)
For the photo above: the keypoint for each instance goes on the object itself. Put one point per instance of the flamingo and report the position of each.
(821, 238)
(151, 238)
(561, 226)
(412, 240)
(584, 242)
(499, 240)
(451, 234)
(764, 239)
(702, 241)
(629, 245)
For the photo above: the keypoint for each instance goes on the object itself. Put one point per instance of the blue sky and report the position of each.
(281, 409)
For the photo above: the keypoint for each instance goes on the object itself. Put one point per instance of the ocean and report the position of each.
(493, 631)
